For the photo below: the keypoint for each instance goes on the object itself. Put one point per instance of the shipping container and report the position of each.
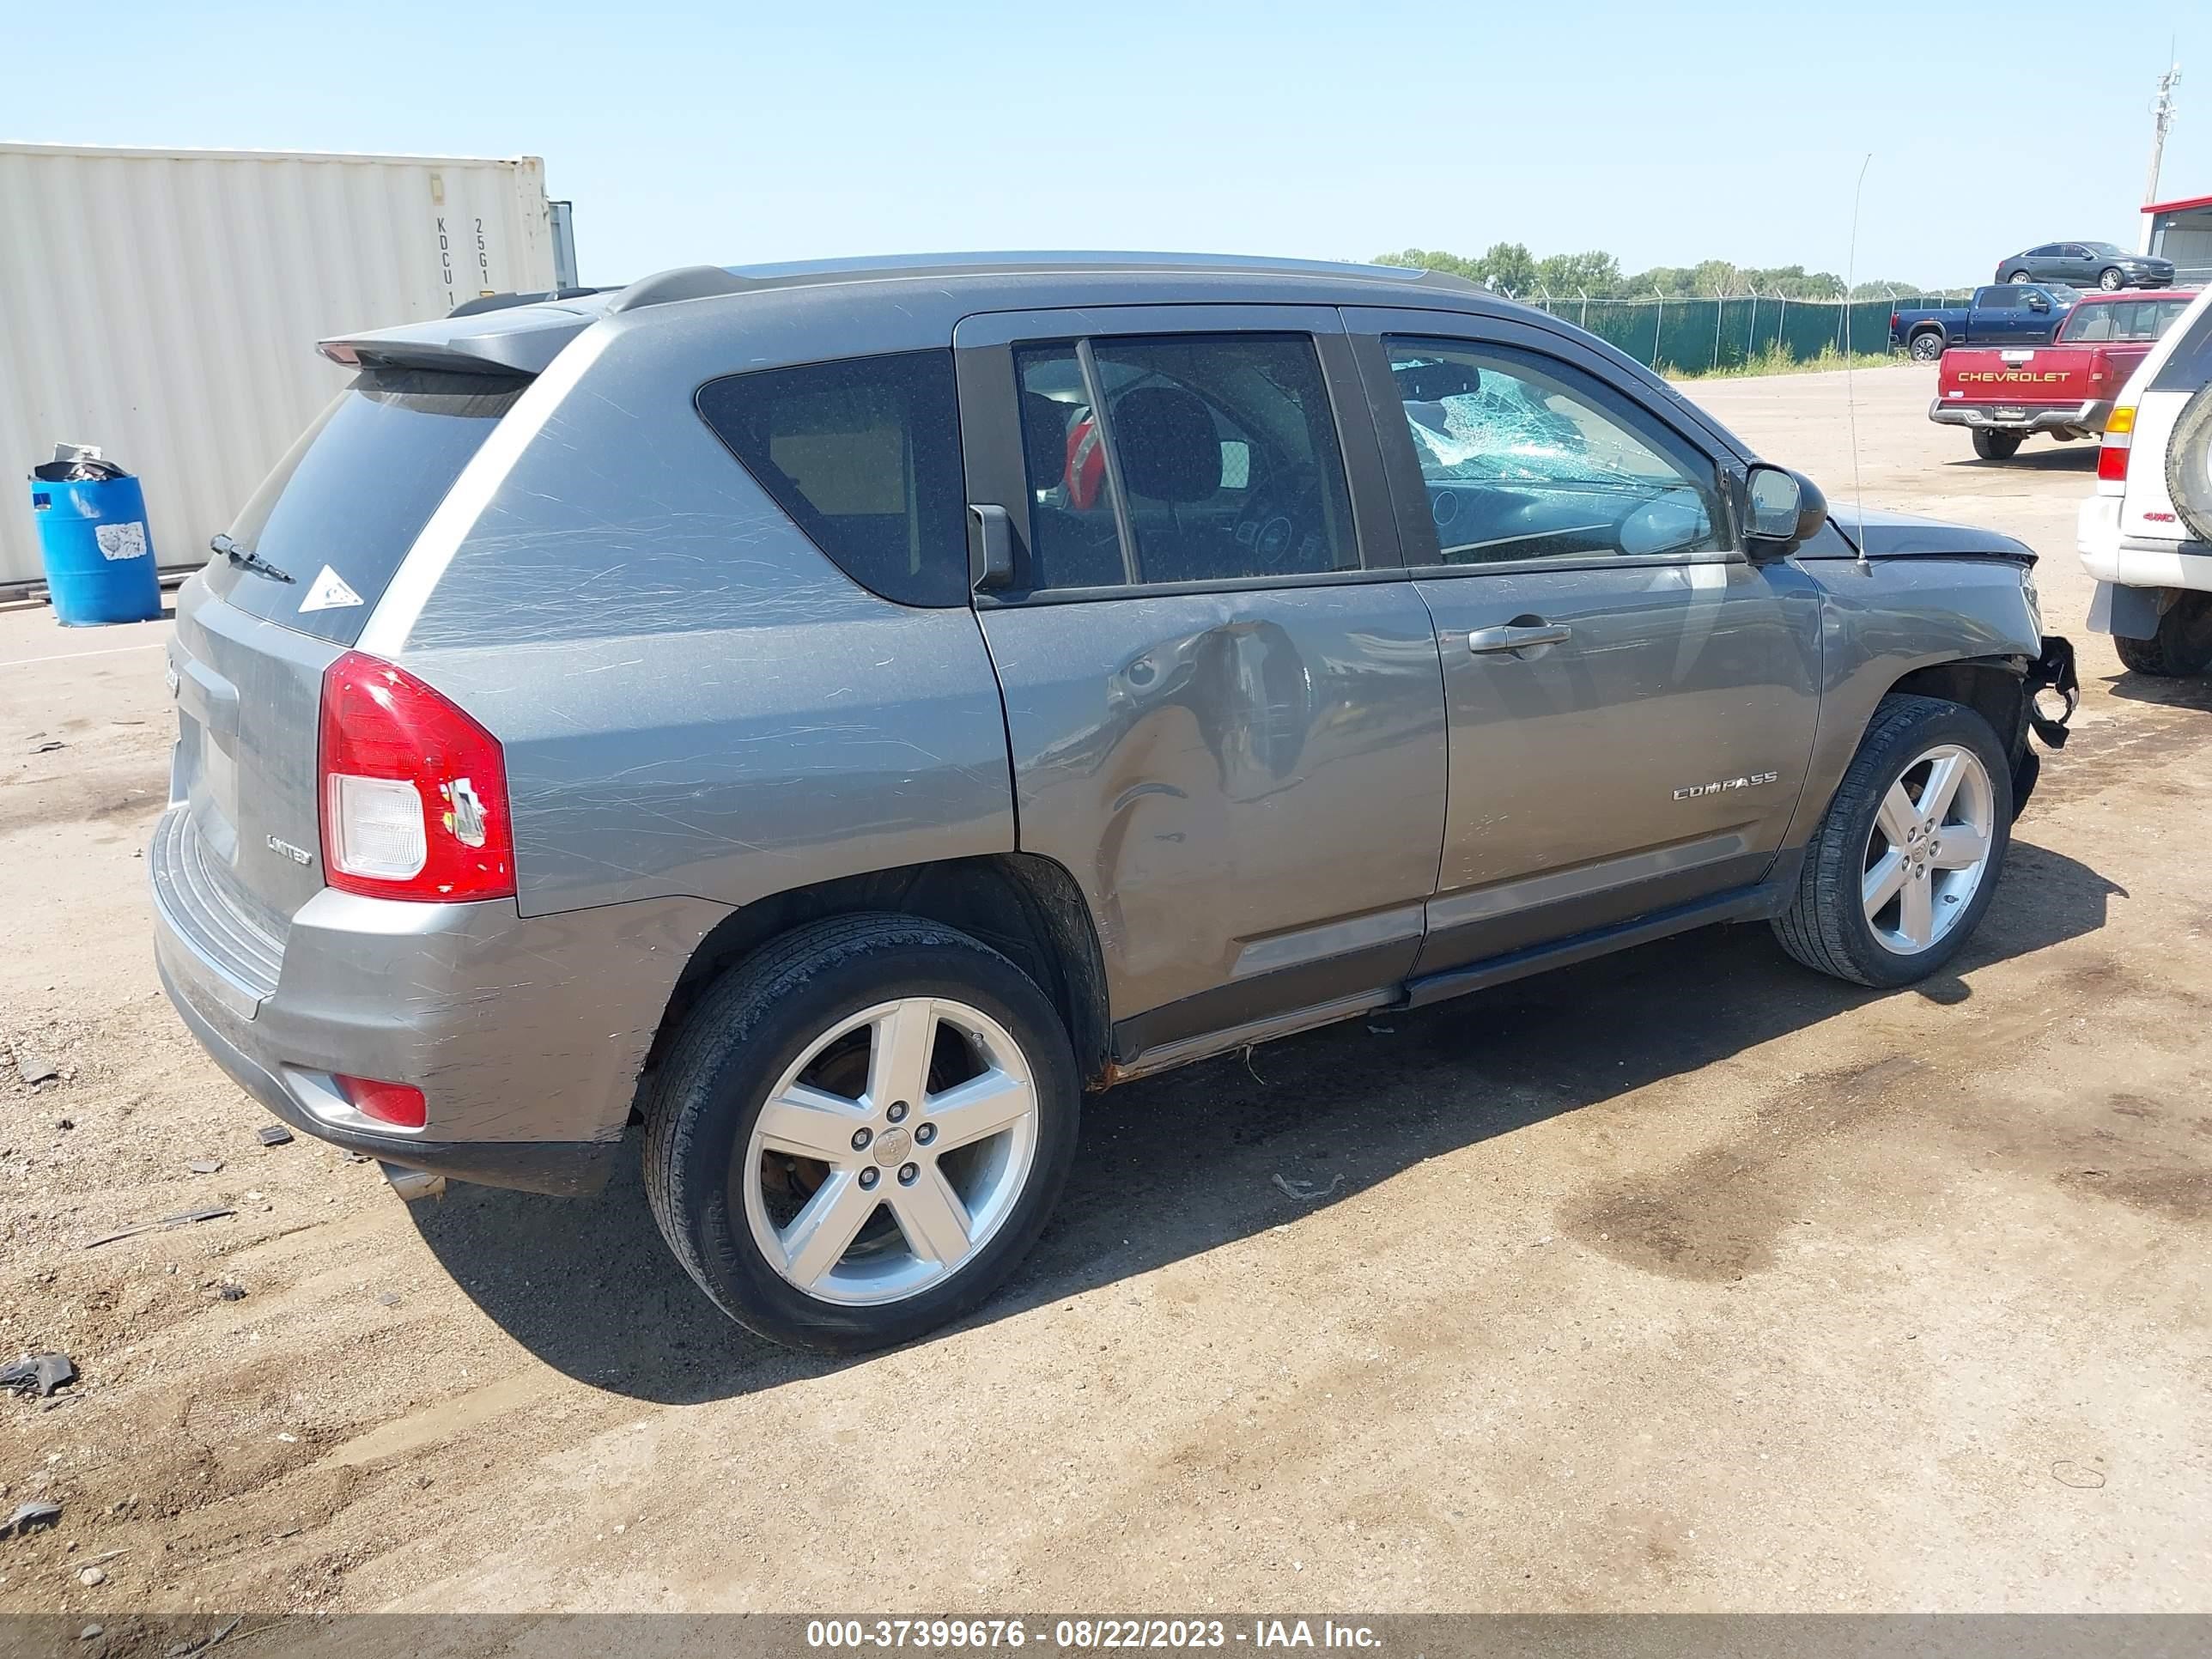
(165, 304)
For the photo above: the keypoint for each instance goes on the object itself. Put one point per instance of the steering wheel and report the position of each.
(1281, 507)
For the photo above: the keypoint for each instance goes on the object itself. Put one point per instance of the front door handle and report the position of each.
(1518, 636)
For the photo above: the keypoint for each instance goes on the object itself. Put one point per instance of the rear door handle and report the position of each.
(1516, 636)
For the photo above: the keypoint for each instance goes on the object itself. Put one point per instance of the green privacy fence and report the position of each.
(1696, 337)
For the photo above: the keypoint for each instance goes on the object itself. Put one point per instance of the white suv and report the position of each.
(2146, 535)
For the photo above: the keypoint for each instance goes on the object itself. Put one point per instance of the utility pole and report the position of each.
(2162, 114)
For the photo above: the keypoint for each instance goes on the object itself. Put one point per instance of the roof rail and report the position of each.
(684, 283)
(704, 282)
(502, 301)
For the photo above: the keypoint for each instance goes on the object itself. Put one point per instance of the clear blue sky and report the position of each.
(735, 132)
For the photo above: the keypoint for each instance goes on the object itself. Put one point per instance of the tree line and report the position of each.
(1511, 267)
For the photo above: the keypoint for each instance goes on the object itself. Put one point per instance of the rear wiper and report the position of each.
(246, 559)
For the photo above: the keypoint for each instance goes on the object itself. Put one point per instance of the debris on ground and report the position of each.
(1306, 1192)
(48, 746)
(39, 1373)
(230, 1291)
(205, 1165)
(182, 1217)
(184, 1649)
(275, 1134)
(90, 1632)
(91, 1577)
(27, 1515)
(34, 1069)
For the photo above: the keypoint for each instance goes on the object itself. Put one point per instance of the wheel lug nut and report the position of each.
(868, 1179)
(908, 1174)
(861, 1139)
(924, 1133)
(897, 1113)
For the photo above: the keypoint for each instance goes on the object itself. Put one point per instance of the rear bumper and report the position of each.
(2084, 417)
(2137, 562)
(525, 1035)
(569, 1167)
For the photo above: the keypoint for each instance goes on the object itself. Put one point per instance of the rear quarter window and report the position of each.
(340, 510)
(864, 456)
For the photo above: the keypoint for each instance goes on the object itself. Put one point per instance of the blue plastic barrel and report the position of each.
(99, 553)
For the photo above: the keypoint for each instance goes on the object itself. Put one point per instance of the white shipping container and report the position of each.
(165, 304)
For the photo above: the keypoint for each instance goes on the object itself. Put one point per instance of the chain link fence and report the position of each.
(1703, 336)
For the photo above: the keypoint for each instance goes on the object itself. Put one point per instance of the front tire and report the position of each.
(1995, 446)
(1907, 855)
(2111, 279)
(859, 1133)
(2182, 645)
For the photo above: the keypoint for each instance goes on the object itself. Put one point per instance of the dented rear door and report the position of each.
(1225, 710)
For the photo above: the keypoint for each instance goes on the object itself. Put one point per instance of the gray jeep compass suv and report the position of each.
(840, 714)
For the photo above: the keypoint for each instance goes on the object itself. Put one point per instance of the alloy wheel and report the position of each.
(891, 1153)
(1929, 849)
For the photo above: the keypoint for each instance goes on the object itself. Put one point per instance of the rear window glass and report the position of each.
(2190, 365)
(2121, 321)
(863, 454)
(346, 502)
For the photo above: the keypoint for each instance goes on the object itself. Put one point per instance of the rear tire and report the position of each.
(881, 1197)
(1881, 899)
(1992, 445)
(2182, 645)
(1925, 347)
(2017, 277)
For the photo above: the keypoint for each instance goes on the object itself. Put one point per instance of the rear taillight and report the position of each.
(2112, 451)
(399, 1104)
(413, 791)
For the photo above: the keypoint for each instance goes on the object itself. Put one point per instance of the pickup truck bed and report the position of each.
(2003, 394)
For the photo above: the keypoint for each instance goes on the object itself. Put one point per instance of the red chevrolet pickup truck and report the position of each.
(2003, 393)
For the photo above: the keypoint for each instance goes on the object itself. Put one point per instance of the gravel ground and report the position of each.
(1682, 1280)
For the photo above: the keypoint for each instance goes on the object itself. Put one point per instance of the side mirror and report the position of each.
(2036, 302)
(1782, 509)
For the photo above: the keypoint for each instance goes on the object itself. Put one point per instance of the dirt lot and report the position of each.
(1683, 1280)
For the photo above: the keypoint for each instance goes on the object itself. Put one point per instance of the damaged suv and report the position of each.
(839, 714)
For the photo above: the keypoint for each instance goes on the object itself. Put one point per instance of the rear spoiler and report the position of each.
(520, 333)
(513, 340)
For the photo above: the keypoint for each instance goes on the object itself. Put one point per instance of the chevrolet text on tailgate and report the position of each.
(2003, 395)
(838, 714)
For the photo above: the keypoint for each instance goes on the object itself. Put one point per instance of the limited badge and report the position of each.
(329, 592)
